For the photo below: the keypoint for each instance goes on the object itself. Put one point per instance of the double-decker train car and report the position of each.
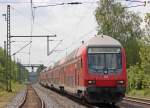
(95, 72)
(43, 77)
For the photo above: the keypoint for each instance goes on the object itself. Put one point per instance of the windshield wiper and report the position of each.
(97, 69)
(111, 68)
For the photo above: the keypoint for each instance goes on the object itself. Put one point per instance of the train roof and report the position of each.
(103, 40)
(98, 40)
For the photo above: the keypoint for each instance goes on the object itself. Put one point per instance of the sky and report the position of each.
(71, 24)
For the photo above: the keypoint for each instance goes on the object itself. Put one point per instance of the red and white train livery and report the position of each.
(96, 71)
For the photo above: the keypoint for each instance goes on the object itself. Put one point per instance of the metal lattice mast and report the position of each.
(8, 48)
(6, 78)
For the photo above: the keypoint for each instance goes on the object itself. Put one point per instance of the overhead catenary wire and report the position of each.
(22, 2)
(76, 40)
(54, 49)
(22, 48)
(35, 2)
(134, 6)
(31, 32)
(32, 14)
(23, 53)
(80, 20)
(124, 7)
(79, 39)
(68, 47)
(67, 3)
(135, 1)
(70, 3)
(19, 12)
(82, 36)
(29, 19)
(142, 3)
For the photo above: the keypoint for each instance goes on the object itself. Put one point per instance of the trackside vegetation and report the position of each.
(124, 25)
(18, 74)
(120, 23)
(6, 97)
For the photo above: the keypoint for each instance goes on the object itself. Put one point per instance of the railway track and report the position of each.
(31, 99)
(128, 102)
(137, 100)
(69, 96)
(133, 102)
(79, 101)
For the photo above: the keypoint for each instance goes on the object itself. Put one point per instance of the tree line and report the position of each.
(134, 33)
(18, 72)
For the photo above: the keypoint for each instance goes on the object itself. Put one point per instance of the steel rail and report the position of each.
(137, 100)
(71, 97)
(41, 100)
(25, 98)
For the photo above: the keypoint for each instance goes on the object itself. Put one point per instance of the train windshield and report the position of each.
(104, 59)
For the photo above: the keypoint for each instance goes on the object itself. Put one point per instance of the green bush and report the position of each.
(135, 78)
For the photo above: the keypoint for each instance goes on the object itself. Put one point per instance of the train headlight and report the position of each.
(120, 82)
(91, 81)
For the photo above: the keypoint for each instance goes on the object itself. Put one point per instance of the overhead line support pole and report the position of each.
(8, 56)
(47, 45)
(6, 70)
(47, 36)
(8, 49)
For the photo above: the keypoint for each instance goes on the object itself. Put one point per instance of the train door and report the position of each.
(78, 63)
(63, 76)
(76, 73)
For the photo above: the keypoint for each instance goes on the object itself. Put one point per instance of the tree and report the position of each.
(40, 68)
(135, 77)
(147, 26)
(14, 67)
(123, 25)
(146, 38)
(138, 75)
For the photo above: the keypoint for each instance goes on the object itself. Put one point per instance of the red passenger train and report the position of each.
(95, 72)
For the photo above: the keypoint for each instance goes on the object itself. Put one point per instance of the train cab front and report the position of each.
(104, 94)
(106, 75)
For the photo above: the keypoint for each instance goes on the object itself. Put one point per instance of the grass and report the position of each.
(145, 93)
(5, 97)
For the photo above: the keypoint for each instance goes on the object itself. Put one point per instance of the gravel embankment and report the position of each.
(54, 100)
(17, 100)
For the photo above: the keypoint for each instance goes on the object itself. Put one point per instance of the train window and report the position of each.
(104, 50)
(111, 61)
(96, 62)
(119, 60)
(100, 62)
